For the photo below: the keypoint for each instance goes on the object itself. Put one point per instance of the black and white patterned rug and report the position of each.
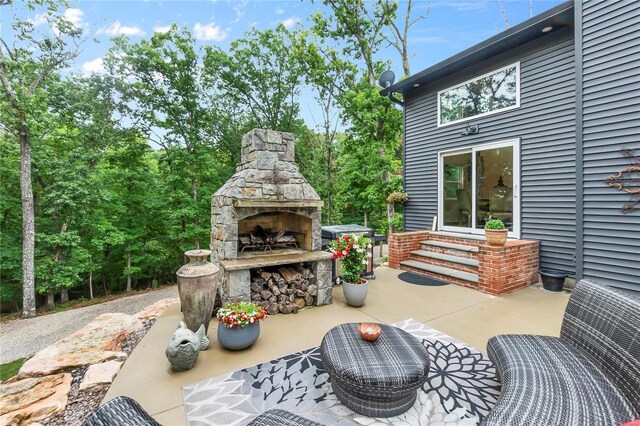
(461, 389)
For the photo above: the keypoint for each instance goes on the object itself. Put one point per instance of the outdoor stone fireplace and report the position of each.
(267, 217)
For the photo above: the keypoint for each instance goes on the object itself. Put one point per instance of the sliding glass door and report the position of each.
(478, 184)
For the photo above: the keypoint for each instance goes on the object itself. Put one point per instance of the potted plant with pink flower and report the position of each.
(239, 324)
(353, 251)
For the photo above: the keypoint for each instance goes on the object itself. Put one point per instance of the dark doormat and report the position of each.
(412, 278)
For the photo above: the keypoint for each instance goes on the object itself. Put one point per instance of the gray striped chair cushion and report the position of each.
(545, 381)
(121, 411)
(395, 360)
(604, 324)
(278, 417)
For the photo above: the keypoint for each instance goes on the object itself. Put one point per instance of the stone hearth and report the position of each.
(267, 197)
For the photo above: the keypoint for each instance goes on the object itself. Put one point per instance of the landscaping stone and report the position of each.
(27, 401)
(100, 374)
(157, 309)
(99, 341)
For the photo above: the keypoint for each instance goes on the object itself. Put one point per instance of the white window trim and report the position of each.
(515, 143)
(484, 114)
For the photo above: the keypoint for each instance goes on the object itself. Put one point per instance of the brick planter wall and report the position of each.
(402, 244)
(508, 268)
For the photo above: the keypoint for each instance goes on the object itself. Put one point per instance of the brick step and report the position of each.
(471, 238)
(441, 270)
(446, 258)
(451, 249)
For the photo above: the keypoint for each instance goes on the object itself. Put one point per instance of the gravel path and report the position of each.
(24, 337)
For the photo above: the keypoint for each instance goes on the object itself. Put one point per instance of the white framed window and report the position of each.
(490, 93)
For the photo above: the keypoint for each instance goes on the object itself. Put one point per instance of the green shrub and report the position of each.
(494, 224)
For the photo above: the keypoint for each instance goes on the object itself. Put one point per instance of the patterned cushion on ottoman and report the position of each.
(277, 417)
(377, 379)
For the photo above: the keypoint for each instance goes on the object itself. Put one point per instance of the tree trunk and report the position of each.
(104, 284)
(365, 218)
(194, 192)
(50, 301)
(28, 226)
(90, 279)
(128, 274)
(391, 213)
(64, 295)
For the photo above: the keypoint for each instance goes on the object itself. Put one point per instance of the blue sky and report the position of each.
(451, 25)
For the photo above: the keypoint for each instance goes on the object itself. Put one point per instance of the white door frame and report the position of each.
(515, 143)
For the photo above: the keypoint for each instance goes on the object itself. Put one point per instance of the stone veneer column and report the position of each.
(322, 271)
(402, 244)
(508, 268)
(236, 286)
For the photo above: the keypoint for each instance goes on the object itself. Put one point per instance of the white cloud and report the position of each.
(90, 67)
(39, 19)
(162, 28)
(279, 11)
(209, 32)
(74, 16)
(290, 22)
(239, 9)
(117, 29)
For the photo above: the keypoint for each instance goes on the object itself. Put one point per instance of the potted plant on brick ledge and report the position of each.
(239, 324)
(353, 251)
(495, 232)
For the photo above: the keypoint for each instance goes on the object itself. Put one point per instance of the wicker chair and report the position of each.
(121, 411)
(590, 375)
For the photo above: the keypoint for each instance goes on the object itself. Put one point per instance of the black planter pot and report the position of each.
(552, 279)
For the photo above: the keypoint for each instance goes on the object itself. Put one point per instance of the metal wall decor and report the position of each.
(628, 180)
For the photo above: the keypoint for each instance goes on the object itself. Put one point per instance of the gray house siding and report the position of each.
(545, 124)
(610, 67)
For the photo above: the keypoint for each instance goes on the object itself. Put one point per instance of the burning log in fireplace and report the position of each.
(284, 290)
(266, 239)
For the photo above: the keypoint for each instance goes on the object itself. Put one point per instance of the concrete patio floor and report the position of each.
(463, 313)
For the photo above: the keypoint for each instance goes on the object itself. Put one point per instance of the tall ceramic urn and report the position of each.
(197, 284)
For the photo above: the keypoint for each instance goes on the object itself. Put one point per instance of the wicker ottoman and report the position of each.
(376, 379)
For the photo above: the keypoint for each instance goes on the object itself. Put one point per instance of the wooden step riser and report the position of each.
(449, 251)
(439, 277)
(445, 263)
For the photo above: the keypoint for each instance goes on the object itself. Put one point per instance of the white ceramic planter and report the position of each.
(355, 293)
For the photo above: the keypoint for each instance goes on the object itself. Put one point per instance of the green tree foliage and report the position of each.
(369, 159)
(27, 62)
(123, 164)
(259, 75)
(161, 85)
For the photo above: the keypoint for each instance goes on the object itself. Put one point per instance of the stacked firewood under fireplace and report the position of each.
(285, 289)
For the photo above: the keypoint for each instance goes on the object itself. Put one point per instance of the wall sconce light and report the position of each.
(471, 130)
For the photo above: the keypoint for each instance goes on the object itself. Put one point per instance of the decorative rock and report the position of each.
(99, 341)
(100, 374)
(155, 310)
(29, 400)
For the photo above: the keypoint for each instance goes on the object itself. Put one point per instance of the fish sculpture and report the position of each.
(184, 347)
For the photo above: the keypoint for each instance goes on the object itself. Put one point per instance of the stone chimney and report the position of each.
(268, 170)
